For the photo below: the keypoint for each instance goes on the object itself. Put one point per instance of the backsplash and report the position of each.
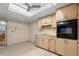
(48, 32)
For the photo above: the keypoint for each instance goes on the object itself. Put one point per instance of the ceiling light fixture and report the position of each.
(18, 9)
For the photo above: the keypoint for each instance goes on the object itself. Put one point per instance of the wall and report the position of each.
(17, 32)
(33, 30)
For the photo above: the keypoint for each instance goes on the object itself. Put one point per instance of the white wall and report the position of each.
(17, 32)
(33, 30)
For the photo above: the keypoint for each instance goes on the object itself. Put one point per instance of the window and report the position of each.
(2, 26)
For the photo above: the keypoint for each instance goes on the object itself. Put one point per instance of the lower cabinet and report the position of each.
(71, 48)
(52, 45)
(60, 47)
(78, 48)
(37, 41)
(41, 42)
(45, 43)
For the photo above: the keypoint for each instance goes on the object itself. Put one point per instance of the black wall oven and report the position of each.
(67, 29)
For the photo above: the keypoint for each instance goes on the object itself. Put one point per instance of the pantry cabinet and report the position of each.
(71, 47)
(66, 13)
(52, 45)
(60, 46)
(54, 20)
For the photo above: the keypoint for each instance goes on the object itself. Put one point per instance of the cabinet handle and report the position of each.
(65, 42)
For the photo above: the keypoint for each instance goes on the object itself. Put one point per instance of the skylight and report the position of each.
(17, 9)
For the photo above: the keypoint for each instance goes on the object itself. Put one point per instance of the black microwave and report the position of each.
(67, 29)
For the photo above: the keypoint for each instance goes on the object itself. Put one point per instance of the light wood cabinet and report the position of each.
(41, 42)
(52, 45)
(54, 20)
(39, 23)
(37, 41)
(71, 48)
(45, 43)
(43, 21)
(67, 12)
(78, 47)
(48, 20)
(78, 11)
(60, 46)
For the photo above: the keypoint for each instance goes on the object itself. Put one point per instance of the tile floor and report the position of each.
(24, 49)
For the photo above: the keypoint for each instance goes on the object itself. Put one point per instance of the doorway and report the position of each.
(3, 29)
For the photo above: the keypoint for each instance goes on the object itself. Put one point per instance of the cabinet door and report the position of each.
(53, 20)
(78, 11)
(43, 21)
(52, 45)
(37, 41)
(71, 48)
(41, 42)
(67, 12)
(39, 23)
(48, 20)
(78, 47)
(45, 43)
(60, 46)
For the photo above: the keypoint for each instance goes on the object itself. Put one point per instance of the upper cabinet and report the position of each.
(48, 20)
(53, 20)
(66, 13)
(39, 23)
(43, 21)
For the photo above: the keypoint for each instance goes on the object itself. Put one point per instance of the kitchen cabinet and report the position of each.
(52, 45)
(78, 11)
(60, 46)
(48, 20)
(41, 42)
(78, 47)
(67, 12)
(36, 40)
(54, 20)
(71, 48)
(45, 43)
(39, 23)
(43, 21)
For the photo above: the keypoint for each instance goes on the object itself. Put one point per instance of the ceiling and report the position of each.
(35, 13)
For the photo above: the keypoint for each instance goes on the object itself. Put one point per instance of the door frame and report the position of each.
(5, 40)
